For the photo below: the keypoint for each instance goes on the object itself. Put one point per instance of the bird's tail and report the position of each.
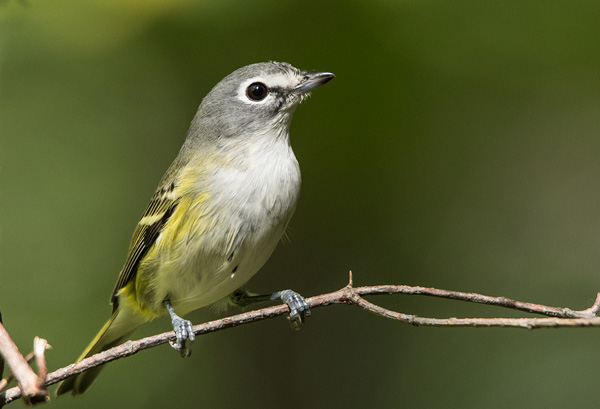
(120, 325)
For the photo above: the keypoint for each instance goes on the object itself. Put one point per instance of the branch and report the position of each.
(350, 295)
(29, 357)
(32, 387)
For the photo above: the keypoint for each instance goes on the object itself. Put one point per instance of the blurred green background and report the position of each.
(458, 147)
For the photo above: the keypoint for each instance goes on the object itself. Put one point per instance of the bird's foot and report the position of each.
(299, 309)
(183, 332)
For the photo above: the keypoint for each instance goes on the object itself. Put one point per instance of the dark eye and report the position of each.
(257, 91)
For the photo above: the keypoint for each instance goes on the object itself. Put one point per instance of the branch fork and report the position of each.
(32, 387)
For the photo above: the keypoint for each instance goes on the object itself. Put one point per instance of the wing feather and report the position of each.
(159, 210)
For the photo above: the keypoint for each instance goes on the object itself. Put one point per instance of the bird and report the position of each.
(217, 214)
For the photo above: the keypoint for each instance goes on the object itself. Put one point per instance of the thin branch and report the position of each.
(39, 348)
(32, 389)
(29, 358)
(528, 323)
(558, 317)
(483, 299)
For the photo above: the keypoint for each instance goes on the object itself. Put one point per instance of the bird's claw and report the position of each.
(299, 309)
(183, 332)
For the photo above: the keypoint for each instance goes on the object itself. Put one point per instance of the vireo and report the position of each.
(218, 212)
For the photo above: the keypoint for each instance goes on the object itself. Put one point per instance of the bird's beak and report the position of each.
(313, 80)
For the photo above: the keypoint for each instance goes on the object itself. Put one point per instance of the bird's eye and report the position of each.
(257, 91)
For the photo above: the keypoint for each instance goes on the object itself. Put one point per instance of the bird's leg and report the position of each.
(299, 309)
(183, 331)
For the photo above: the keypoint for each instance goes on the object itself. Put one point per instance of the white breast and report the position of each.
(253, 197)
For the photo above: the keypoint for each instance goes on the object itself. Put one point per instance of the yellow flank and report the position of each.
(128, 296)
(190, 213)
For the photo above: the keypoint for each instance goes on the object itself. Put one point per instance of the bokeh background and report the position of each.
(458, 147)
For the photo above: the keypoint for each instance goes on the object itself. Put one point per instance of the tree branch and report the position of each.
(350, 295)
(32, 387)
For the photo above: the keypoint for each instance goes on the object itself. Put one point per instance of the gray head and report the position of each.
(255, 99)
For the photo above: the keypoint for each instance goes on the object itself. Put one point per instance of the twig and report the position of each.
(29, 357)
(559, 317)
(529, 323)
(2, 364)
(33, 390)
(39, 348)
(483, 299)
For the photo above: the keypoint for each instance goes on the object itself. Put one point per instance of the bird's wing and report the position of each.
(161, 207)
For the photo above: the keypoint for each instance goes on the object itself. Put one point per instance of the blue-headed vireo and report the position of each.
(218, 212)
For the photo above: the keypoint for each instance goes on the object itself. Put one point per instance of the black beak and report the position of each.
(313, 80)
